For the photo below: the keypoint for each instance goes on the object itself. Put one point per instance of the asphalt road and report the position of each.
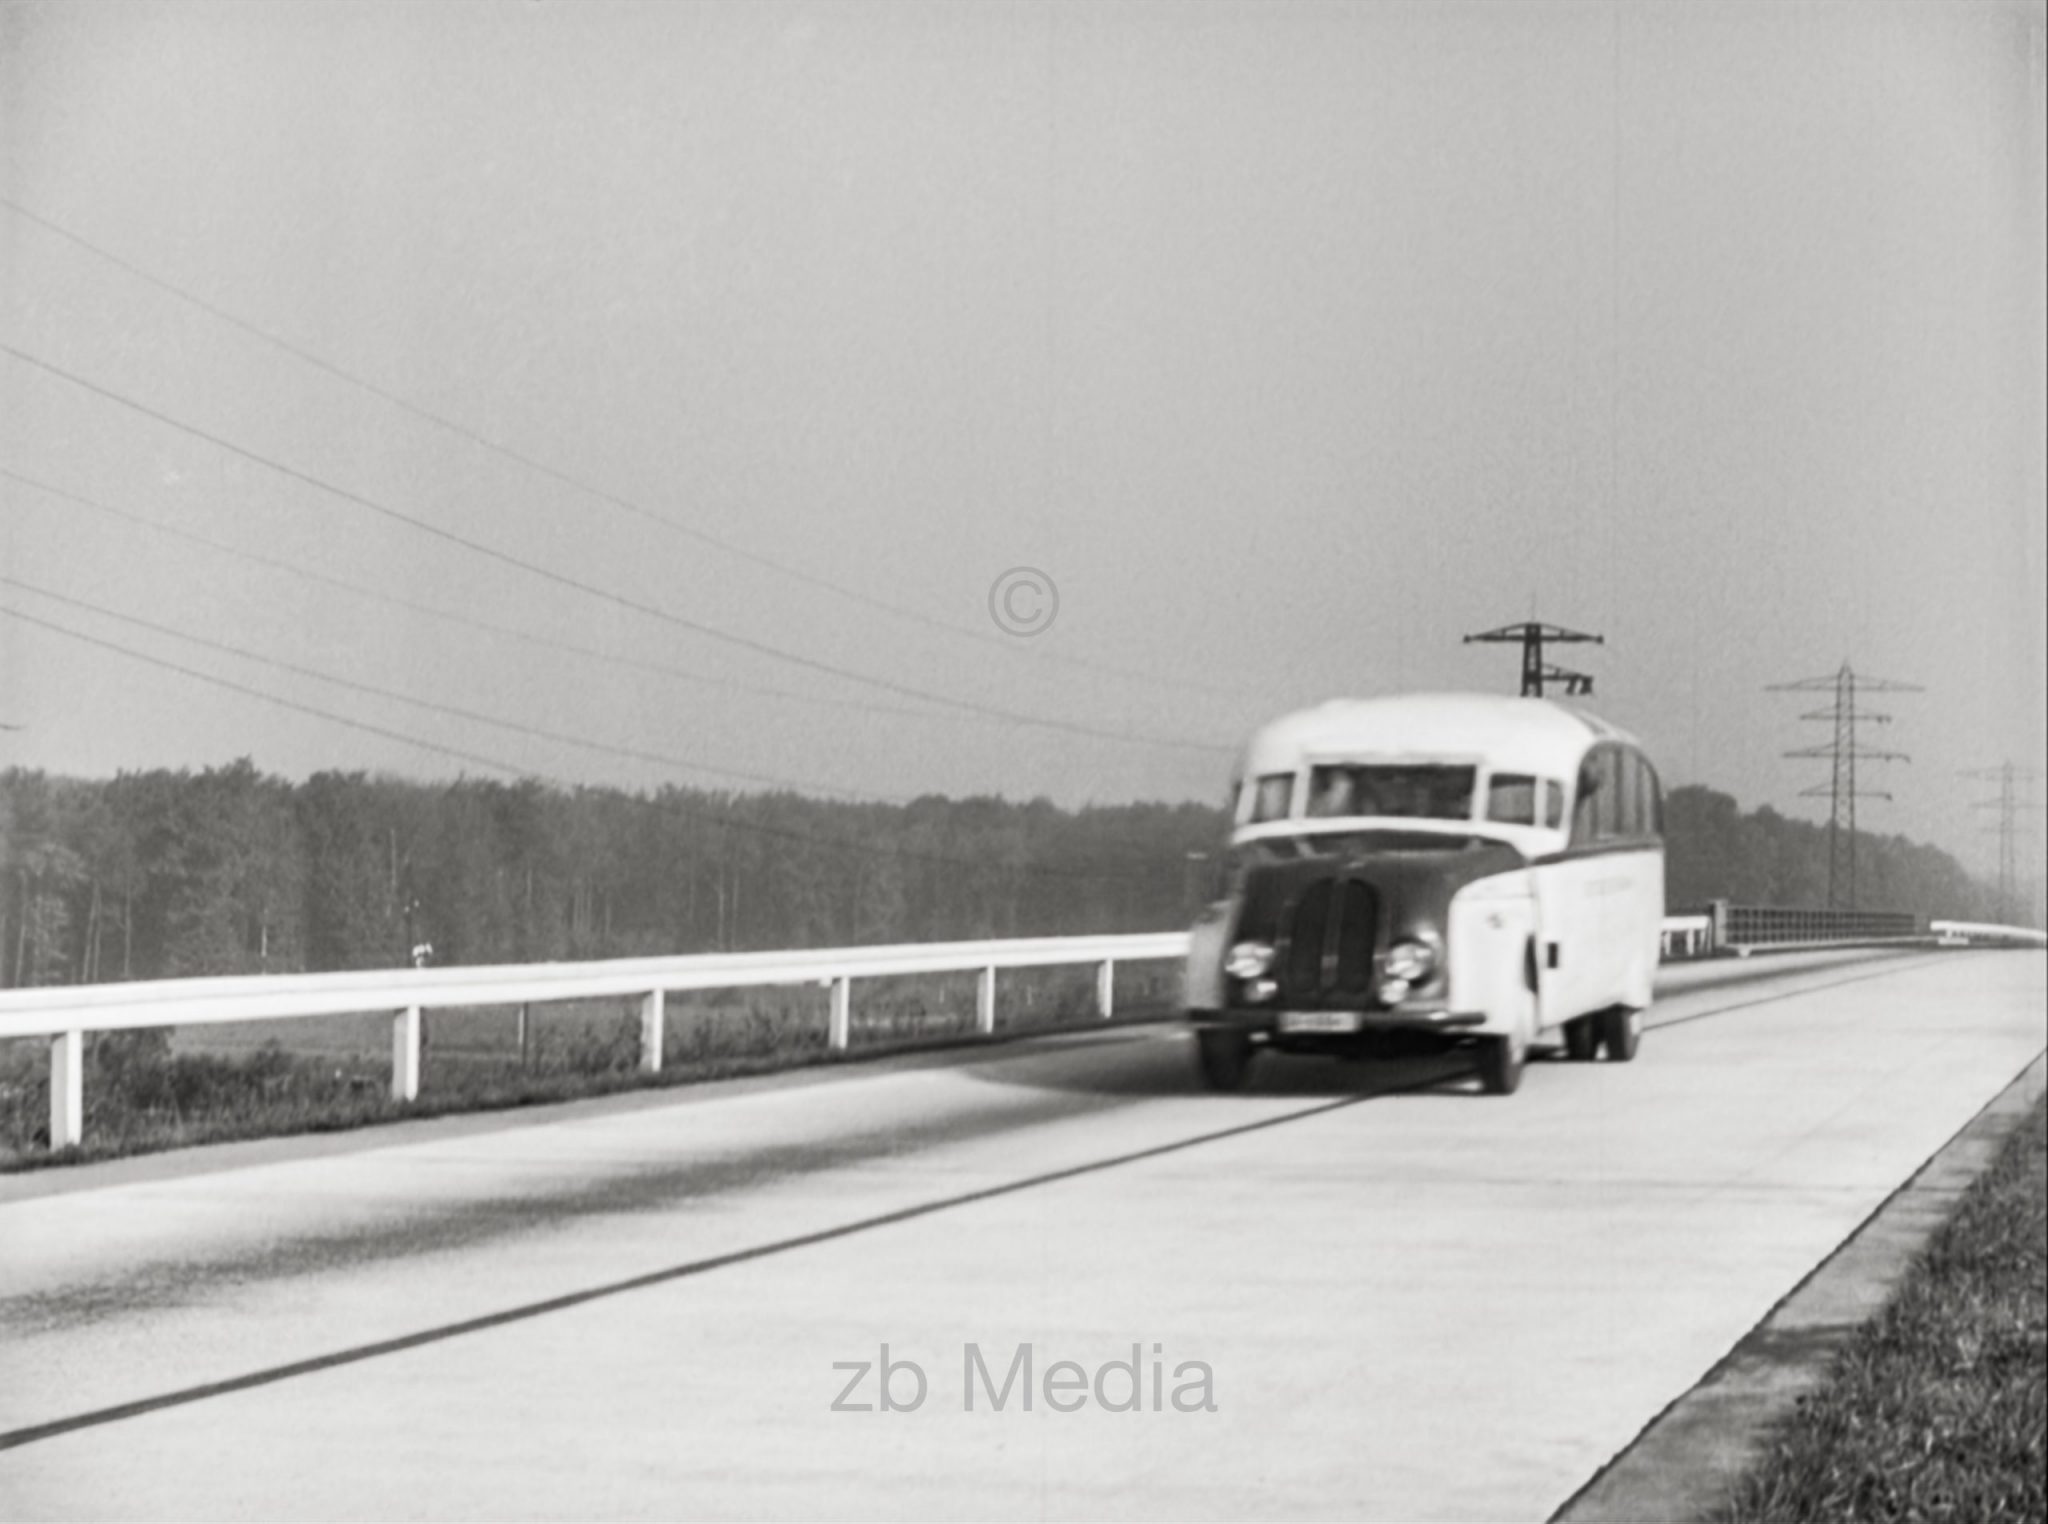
(1381, 1293)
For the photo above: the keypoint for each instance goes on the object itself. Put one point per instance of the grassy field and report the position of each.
(152, 1090)
(1937, 1409)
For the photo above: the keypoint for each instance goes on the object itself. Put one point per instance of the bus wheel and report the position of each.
(1225, 1057)
(1500, 1064)
(1621, 1032)
(1582, 1039)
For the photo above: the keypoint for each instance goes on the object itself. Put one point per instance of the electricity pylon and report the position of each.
(1532, 637)
(2009, 804)
(1844, 752)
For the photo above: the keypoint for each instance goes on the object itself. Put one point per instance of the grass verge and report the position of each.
(1936, 1409)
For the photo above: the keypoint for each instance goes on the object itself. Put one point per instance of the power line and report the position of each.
(714, 817)
(1843, 752)
(626, 505)
(487, 626)
(453, 712)
(591, 590)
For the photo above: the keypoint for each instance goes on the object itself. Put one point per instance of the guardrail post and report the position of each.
(651, 1010)
(985, 1002)
(1105, 988)
(67, 1089)
(405, 1055)
(841, 1029)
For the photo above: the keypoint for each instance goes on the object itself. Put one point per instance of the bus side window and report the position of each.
(1607, 799)
(1274, 797)
(1585, 820)
(1553, 803)
(1511, 799)
(1628, 804)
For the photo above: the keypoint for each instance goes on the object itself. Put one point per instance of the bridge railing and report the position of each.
(65, 1013)
(1728, 928)
(1745, 928)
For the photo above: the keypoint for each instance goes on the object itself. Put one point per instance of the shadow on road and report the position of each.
(1160, 1063)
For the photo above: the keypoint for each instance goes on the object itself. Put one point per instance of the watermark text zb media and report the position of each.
(1019, 1380)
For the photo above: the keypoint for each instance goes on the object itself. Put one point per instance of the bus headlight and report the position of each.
(1248, 960)
(1411, 961)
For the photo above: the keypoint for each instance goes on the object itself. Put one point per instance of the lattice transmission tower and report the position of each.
(1843, 752)
(1532, 637)
(2009, 805)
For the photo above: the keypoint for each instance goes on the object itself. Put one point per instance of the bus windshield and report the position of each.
(1423, 791)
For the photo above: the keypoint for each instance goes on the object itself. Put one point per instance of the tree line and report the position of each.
(231, 870)
(1715, 850)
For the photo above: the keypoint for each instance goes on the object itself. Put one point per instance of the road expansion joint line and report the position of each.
(1792, 994)
(186, 1396)
(141, 1407)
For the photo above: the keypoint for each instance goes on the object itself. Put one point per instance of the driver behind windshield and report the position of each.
(1422, 792)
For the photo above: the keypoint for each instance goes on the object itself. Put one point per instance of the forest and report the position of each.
(232, 870)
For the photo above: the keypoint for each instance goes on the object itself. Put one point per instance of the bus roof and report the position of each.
(1513, 734)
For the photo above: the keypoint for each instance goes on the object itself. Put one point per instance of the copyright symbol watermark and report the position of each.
(1023, 601)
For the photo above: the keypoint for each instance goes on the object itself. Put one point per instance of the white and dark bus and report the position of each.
(1434, 870)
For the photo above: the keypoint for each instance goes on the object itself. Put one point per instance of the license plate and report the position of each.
(1319, 1021)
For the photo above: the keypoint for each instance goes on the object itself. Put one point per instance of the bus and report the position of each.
(1433, 871)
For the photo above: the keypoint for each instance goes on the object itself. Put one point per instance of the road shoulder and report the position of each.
(1685, 1462)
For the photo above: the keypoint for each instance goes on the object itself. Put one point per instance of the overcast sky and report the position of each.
(1290, 342)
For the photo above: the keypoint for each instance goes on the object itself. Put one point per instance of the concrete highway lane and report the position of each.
(1380, 1293)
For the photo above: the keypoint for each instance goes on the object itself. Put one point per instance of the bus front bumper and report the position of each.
(1408, 1016)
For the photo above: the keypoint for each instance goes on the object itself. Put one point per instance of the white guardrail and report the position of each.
(65, 1013)
(1688, 936)
(1977, 931)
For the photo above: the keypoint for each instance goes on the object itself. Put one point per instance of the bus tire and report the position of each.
(1224, 1057)
(1582, 1039)
(1500, 1065)
(1621, 1032)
